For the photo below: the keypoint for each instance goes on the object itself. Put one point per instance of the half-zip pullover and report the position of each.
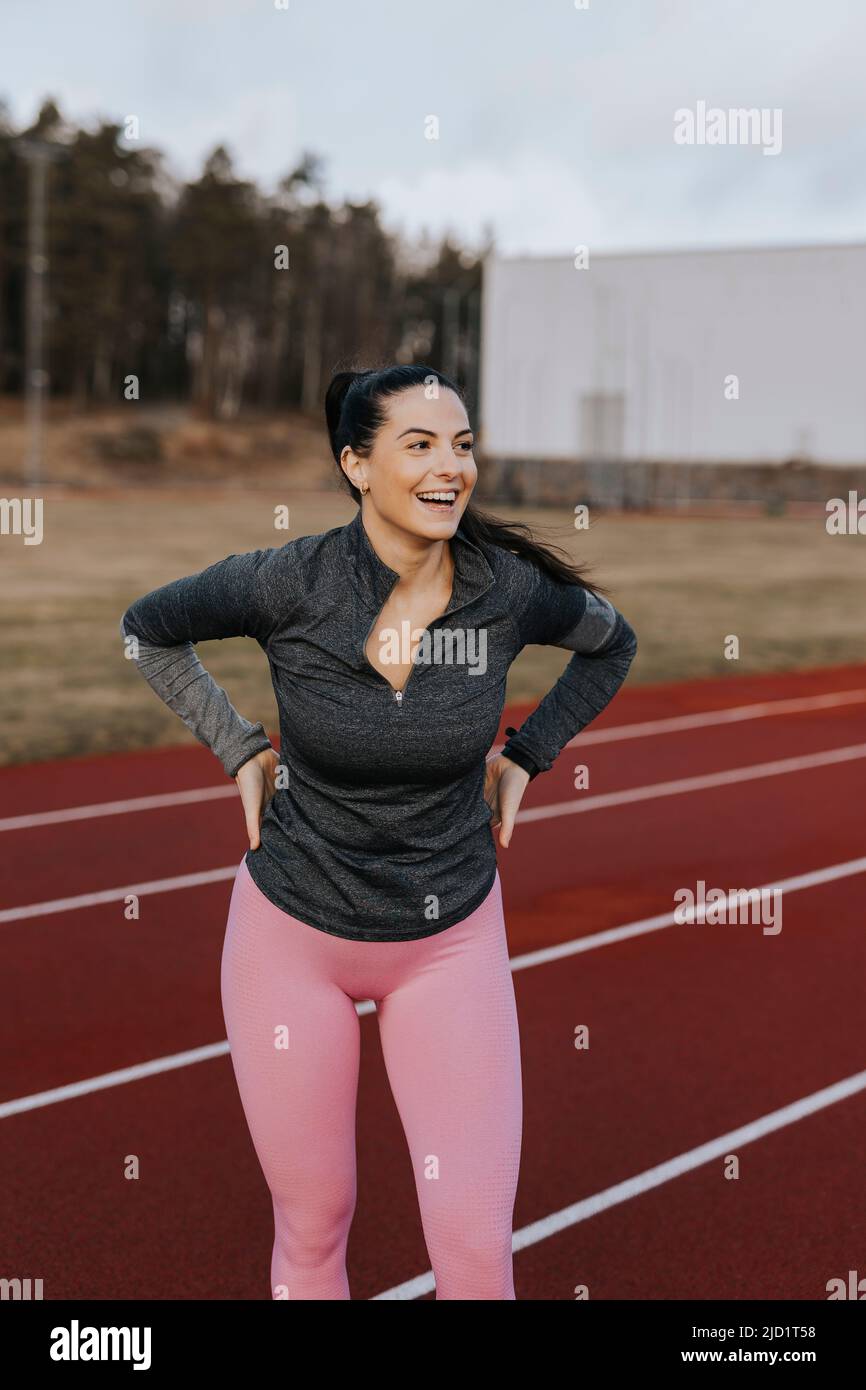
(379, 829)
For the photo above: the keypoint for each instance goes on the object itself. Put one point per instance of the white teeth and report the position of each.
(436, 496)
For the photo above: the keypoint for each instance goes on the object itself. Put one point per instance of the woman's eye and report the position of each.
(467, 445)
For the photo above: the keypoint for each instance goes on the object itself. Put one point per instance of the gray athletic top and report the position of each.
(382, 832)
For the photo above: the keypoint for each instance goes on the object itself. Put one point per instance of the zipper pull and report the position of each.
(398, 696)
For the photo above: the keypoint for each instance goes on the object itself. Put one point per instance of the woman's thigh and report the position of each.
(295, 1044)
(451, 1046)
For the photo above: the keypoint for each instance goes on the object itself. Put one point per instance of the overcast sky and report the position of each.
(556, 124)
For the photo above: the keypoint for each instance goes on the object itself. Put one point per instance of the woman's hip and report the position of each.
(261, 935)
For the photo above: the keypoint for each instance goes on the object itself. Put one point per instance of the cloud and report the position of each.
(538, 203)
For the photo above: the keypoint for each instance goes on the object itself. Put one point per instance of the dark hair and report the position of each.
(355, 411)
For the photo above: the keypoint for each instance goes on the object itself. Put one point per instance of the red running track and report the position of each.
(695, 1031)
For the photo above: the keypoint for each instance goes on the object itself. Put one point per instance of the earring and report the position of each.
(365, 490)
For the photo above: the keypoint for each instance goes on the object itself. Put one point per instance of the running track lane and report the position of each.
(376, 1241)
(163, 967)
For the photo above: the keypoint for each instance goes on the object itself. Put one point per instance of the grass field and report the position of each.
(790, 592)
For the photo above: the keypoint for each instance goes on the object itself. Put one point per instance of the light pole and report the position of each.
(38, 155)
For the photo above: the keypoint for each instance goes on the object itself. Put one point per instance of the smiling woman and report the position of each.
(443, 499)
(372, 869)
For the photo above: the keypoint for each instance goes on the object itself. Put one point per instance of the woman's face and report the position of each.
(425, 445)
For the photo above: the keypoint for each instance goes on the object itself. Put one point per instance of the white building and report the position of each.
(746, 356)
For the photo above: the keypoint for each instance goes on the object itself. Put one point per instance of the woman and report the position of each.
(371, 871)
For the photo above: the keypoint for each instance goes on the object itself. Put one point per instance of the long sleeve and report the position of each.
(228, 599)
(552, 613)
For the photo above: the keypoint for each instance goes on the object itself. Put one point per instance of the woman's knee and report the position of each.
(310, 1234)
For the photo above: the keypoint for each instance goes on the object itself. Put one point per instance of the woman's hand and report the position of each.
(504, 785)
(256, 785)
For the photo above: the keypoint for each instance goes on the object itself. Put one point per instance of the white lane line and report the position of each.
(113, 1078)
(726, 777)
(75, 1089)
(118, 808)
(649, 728)
(732, 714)
(113, 895)
(813, 879)
(577, 945)
(560, 808)
(675, 1167)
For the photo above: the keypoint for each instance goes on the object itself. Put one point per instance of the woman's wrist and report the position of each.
(512, 758)
(233, 768)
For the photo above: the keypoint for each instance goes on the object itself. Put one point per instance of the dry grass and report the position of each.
(791, 593)
(139, 444)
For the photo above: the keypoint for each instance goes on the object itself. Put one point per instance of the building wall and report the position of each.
(628, 358)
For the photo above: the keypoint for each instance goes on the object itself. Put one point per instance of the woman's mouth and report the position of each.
(440, 500)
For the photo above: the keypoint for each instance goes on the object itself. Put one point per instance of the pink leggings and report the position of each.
(448, 1028)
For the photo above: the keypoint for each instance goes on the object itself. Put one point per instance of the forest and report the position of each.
(212, 291)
